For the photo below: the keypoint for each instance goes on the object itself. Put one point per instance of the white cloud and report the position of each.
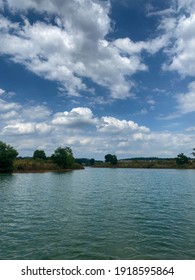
(151, 101)
(89, 136)
(66, 52)
(19, 128)
(188, 5)
(183, 57)
(186, 101)
(1, 5)
(87, 15)
(75, 47)
(6, 106)
(2, 91)
(113, 125)
(9, 115)
(77, 118)
(190, 129)
(152, 46)
(38, 112)
(43, 128)
(128, 46)
(182, 39)
(165, 12)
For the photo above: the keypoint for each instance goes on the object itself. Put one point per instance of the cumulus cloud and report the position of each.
(1, 5)
(126, 45)
(2, 91)
(8, 115)
(38, 112)
(68, 42)
(88, 135)
(113, 125)
(74, 46)
(186, 101)
(183, 57)
(19, 128)
(6, 106)
(188, 5)
(84, 15)
(26, 128)
(77, 118)
(180, 28)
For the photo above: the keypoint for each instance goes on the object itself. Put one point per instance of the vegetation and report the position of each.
(39, 154)
(147, 163)
(38, 165)
(92, 161)
(111, 159)
(86, 161)
(34, 165)
(7, 157)
(181, 159)
(63, 157)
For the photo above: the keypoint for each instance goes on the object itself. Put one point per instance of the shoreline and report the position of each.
(113, 167)
(45, 170)
(103, 167)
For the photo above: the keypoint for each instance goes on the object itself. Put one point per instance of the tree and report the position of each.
(193, 153)
(92, 161)
(181, 159)
(114, 160)
(111, 158)
(7, 156)
(39, 154)
(63, 157)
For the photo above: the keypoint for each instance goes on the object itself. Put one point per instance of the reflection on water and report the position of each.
(98, 214)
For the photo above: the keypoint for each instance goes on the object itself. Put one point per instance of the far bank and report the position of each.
(156, 164)
(40, 166)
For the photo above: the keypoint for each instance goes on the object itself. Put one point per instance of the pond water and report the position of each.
(98, 214)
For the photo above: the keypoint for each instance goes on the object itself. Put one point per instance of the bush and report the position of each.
(7, 157)
(39, 154)
(181, 159)
(111, 158)
(31, 165)
(63, 157)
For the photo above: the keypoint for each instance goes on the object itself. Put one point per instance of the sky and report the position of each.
(98, 76)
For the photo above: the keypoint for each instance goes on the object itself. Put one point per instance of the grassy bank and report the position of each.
(38, 165)
(25, 165)
(163, 163)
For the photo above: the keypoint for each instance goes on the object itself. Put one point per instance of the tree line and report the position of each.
(182, 159)
(63, 157)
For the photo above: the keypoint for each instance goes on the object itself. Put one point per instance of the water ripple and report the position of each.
(98, 214)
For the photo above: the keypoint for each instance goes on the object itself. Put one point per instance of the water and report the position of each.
(98, 214)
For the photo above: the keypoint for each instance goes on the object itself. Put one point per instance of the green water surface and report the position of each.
(98, 214)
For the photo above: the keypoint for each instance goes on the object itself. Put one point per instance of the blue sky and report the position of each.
(99, 76)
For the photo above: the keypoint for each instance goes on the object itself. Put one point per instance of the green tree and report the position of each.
(92, 161)
(39, 154)
(114, 160)
(63, 157)
(193, 153)
(7, 156)
(181, 159)
(108, 158)
(111, 158)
